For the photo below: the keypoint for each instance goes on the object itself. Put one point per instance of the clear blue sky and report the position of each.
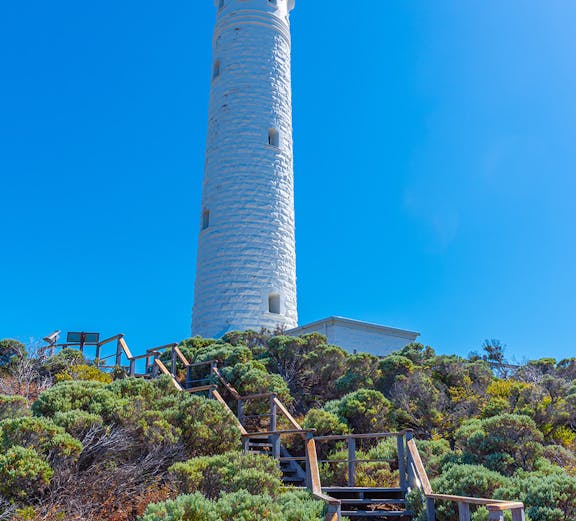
(435, 167)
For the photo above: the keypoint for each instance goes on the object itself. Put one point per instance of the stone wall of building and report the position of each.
(246, 266)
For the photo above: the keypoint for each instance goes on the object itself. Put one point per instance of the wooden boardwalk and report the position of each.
(268, 428)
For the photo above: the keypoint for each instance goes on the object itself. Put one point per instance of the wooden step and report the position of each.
(362, 489)
(381, 514)
(372, 501)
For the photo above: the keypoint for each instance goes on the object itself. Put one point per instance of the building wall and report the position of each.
(360, 336)
(247, 251)
(365, 340)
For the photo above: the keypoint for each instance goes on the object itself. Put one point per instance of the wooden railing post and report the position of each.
(118, 352)
(97, 355)
(132, 368)
(241, 411)
(410, 474)
(333, 513)
(463, 511)
(401, 461)
(275, 441)
(273, 413)
(174, 357)
(518, 514)
(155, 366)
(430, 510)
(213, 367)
(309, 469)
(351, 461)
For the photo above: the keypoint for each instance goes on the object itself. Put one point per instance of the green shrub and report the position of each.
(558, 455)
(546, 497)
(225, 354)
(228, 472)
(206, 426)
(468, 480)
(13, 406)
(145, 391)
(42, 435)
(503, 443)
(390, 368)
(23, 473)
(238, 506)
(325, 423)
(435, 454)
(363, 411)
(77, 423)
(10, 351)
(253, 378)
(83, 372)
(92, 397)
(380, 471)
(361, 373)
(465, 480)
(64, 360)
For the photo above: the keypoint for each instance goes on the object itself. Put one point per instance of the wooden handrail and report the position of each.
(198, 364)
(181, 356)
(313, 468)
(495, 507)
(266, 434)
(200, 388)
(420, 470)
(221, 400)
(256, 396)
(495, 504)
(125, 348)
(163, 368)
(286, 413)
(508, 505)
(327, 499)
(337, 437)
(140, 357)
(111, 339)
(160, 348)
(358, 460)
(225, 383)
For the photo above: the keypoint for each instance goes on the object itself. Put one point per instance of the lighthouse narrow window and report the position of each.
(273, 137)
(274, 303)
(220, 4)
(216, 69)
(205, 219)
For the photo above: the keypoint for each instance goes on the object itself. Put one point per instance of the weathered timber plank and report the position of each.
(285, 412)
(125, 348)
(421, 471)
(164, 370)
(219, 398)
(181, 356)
(226, 384)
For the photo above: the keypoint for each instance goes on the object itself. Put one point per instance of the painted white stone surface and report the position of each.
(247, 250)
(355, 335)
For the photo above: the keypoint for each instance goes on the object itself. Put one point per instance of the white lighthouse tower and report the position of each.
(246, 267)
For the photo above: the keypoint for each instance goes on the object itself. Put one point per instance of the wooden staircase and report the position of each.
(371, 502)
(262, 434)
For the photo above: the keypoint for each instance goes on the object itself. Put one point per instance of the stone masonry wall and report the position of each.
(246, 253)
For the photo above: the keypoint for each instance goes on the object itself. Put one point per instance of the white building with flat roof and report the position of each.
(358, 336)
